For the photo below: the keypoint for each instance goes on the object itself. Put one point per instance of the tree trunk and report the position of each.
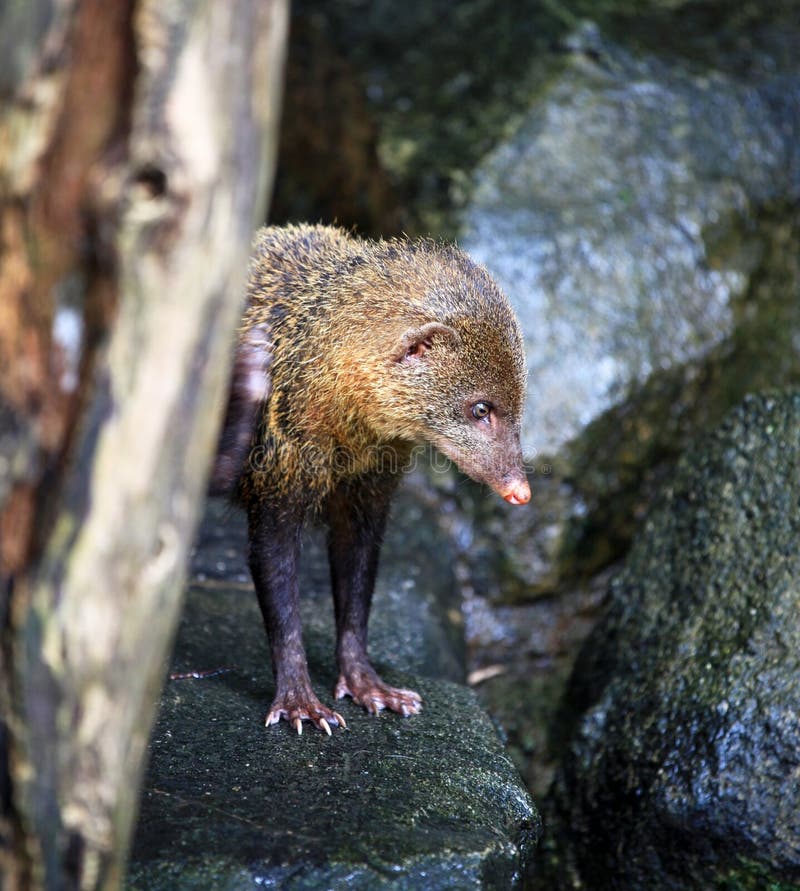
(136, 154)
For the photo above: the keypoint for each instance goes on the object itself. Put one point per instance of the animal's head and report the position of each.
(458, 376)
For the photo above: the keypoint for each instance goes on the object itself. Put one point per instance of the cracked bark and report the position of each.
(136, 153)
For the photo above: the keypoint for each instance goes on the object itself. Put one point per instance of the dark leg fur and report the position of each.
(274, 547)
(357, 513)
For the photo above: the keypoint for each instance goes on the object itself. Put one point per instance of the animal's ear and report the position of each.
(414, 343)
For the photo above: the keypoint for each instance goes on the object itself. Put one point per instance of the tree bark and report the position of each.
(136, 154)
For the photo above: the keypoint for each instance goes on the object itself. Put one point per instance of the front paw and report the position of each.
(367, 689)
(296, 707)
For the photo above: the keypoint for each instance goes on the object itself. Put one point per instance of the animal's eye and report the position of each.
(481, 411)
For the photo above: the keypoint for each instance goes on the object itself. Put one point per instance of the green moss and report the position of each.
(750, 875)
(684, 739)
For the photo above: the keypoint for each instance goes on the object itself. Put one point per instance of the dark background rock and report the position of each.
(683, 770)
(430, 801)
(437, 83)
(328, 166)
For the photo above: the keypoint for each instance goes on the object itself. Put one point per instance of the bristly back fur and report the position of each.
(342, 401)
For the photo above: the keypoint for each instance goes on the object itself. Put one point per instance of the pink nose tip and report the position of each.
(520, 494)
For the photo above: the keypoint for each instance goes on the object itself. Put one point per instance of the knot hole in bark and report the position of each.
(151, 180)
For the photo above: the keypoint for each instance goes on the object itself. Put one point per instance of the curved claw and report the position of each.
(273, 716)
(367, 689)
(298, 708)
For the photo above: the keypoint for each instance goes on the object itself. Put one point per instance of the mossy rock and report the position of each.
(682, 770)
(428, 801)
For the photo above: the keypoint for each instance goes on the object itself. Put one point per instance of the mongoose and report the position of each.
(350, 353)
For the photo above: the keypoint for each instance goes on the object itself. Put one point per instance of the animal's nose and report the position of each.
(518, 493)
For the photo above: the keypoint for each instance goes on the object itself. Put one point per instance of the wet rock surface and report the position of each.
(600, 215)
(682, 770)
(638, 216)
(431, 801)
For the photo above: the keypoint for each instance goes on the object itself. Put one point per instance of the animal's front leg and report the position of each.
(357, 514)
(274, 548)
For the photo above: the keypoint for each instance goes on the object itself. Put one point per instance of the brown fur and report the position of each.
(337, 309)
